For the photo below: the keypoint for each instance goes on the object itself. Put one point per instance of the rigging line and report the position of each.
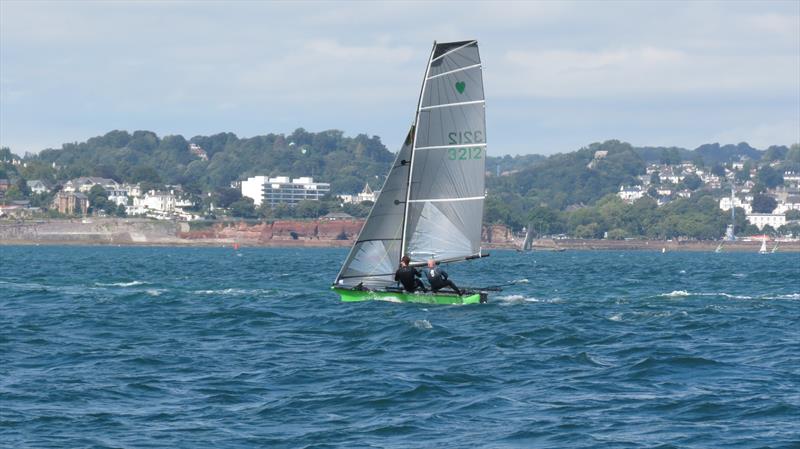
(454, 71)
(448, 105)
(453, 50)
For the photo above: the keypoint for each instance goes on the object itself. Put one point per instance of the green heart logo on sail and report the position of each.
(460, 86)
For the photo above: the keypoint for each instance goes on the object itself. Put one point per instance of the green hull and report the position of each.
(423, 298)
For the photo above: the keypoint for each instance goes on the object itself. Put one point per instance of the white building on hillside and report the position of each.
(366, 195)
(38, 186)
(761, 220)
(282, 190)
(254, 188)
(162, 206)
(85, 183)
(630, 194)
(725, 204)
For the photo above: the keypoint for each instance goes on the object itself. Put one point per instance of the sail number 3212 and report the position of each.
(464, 153)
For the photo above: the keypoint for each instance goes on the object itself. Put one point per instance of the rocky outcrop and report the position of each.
(497, 234)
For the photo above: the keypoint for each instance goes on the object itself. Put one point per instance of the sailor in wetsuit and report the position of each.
(438, 278)
(409, 276)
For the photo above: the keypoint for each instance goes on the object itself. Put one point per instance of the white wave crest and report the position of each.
(423, 324)
(675, 294)
(684, 293)
(787, 296)
(120, 284)
(616, 317)
(517, 299)
(231, 292)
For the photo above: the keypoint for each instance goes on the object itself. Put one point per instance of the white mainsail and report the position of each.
(432, 202)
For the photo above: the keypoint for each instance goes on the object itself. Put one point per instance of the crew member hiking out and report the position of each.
(408, 276)
(437, 277)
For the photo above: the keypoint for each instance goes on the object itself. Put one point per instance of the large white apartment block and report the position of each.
(283, 190)
(253, 188)
(761, 220)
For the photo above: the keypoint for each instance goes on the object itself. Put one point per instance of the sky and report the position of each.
(558, 75)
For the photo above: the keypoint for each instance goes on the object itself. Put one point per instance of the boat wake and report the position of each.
(120, 284)
(684, 293)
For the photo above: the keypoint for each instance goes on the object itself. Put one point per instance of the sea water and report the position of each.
(216, 348)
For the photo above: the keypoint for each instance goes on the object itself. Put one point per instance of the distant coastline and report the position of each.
(305, 234)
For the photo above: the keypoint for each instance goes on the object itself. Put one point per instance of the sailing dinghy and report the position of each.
(431, 205)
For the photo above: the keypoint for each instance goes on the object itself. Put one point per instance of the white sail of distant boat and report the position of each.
(528, 244)
(774, 248)
(431, 205)
(719, 248)
(763, 249)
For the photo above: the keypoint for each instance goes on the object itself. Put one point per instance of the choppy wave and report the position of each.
(178, 347)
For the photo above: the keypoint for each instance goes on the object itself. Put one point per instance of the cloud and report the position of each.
(70, 70)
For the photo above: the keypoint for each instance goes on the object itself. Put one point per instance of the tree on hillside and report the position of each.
(764, 204)
(243, 208)
(670, 156)
(718, 170)
(692, 181)
(770, 177)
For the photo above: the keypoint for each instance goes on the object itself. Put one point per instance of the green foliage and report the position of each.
(770, 177)
(764, 204)
(565, 179)
(310, 209)
(243, 208)
(144, 157)
(692, 182)
(793, 215)
(359, 210)
(718, 170)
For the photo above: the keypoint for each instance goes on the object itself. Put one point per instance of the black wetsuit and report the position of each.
(438, 279)
(409, 277)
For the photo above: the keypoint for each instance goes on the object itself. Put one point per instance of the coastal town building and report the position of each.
(71, 203)
(365, 195)
(761, 220)
(282, 190)
(253, 188)
(118, 196)
(198, 151)
(335, 216)
(725, 203)
(85, 183)
(38, 186)
(17, 209)
(630, 194)
(162, 206)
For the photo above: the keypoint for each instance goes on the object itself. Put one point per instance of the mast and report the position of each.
(404, 239)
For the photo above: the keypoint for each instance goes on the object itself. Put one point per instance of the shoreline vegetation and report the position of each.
(309, 234)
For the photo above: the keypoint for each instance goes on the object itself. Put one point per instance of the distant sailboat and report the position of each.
(719, 248)
(763, 249)
(774, 248)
